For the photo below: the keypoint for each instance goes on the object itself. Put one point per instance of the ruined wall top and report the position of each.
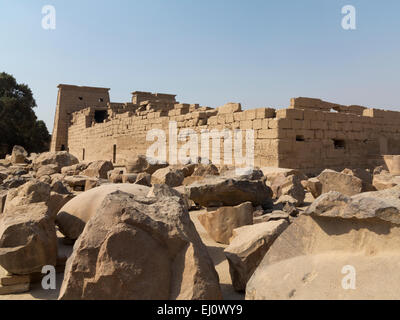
(139, 96)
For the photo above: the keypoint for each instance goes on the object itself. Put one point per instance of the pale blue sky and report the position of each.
(257, 52)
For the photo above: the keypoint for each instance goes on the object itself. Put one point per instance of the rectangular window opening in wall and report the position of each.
(339, 144)
(100, 116)
(62, 147)
(300, 138)
(83, 154)
(114, 153)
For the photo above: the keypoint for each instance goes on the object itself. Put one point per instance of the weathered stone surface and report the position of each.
(60, 158)
(18, 155)
(336, 181)
(76, 183)
(314, 186)
(248, 247)
(221, 222)
(74, 170)
(393, 164)
(229, 108)
(3, 197)
(337, 230)
(306, 261)
(204, 170)
(143, 179)
(72, 218)
(47, 170)
(31, 192)
(365, 175)
(27, 239)
(14, 182)
(140, 248)
(384, 180)
(282, 185)
(98, 169)
(129, 178)
(169, 176)
(142, 164)
(15, 288)
(219, 191)
(384, 205)
(163, 190)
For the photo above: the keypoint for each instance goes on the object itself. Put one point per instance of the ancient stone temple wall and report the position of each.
(310, 135)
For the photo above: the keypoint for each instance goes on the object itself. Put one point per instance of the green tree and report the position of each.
(18, 122)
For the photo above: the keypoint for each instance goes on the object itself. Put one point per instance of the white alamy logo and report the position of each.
(233, 153)
(49, 18)
(349, 281)
(349, 20)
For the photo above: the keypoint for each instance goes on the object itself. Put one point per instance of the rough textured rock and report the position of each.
(384, 180)
(365, 175)
(18, 155)
(204, 170)
(47, 170)
(248, 247)
(98, 169)
(76, 183)
(3, 197)
(221, 222)
(115, 258)
(60, 158)
(361, 231)
(31, 192)
(74, 170)
(220, 191)
(129, 178)
(314, 186)
(393, 164)
(290, 185)
(27, 239)
(169, 176)
(143, 164)
(143, 179)
(341, 182)
(163, 190)
(72, 218)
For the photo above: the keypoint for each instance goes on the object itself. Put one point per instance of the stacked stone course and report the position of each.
(310, 135)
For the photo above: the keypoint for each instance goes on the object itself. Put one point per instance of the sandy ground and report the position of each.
(215, 250)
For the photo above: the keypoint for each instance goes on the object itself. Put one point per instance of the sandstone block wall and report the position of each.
(310, 135)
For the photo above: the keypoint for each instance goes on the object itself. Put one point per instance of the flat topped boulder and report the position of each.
(18, 155)
(61, 159)
(72, 217)
(28, 239)
(347, 184)
(221, 191)
(338, 234)
(137, 248)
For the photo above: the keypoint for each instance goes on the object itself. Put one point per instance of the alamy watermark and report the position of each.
(197, 146)
(349, 281)
(349, 20)
(49, 17)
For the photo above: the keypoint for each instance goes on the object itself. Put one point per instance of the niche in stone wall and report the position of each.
(100, 116)
(339, 144)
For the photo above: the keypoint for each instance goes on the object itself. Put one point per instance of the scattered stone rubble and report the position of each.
(285, 235)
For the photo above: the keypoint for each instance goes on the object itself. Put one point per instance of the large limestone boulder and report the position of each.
(393, 164)
(60, 158)
(137, 248)
(220, 223)
(291, 185)
(71, 218)
(204, 170)
(344, 183)
(143, 164)
(47, 170)
(27, 239)
(18, 155)
(33, 191)
(74, 170)
(248, 247)
(98, 169)
(340, 243)
(365, 175)
(314, 186)
(384, 180)
(169, 176)
(220, 191)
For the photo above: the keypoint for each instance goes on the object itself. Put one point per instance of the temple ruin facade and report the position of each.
(310, 134)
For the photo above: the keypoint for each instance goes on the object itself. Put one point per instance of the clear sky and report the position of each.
(257, 52)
